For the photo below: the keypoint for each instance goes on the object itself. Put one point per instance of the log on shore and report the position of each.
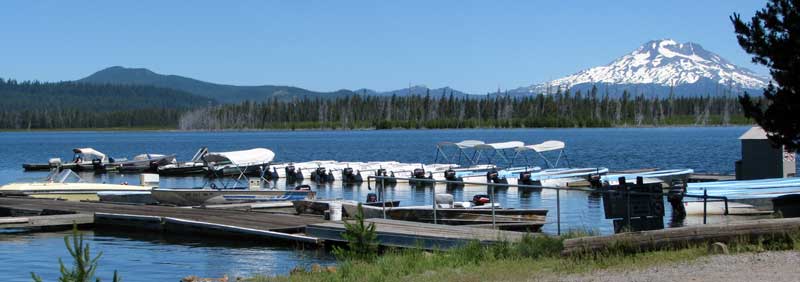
(683, 236)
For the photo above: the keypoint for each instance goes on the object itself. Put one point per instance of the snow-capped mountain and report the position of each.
(658, 65)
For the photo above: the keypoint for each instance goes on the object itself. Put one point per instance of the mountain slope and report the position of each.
(657, 66)
(419, 90)
(36, 96)
(219, 92)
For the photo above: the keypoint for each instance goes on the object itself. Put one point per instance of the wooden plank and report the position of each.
(408, 234)
(13, 220)
(684, 235)
(145, 222)
(244, 219)
(248, 206)
(49, 221)
(234, 229)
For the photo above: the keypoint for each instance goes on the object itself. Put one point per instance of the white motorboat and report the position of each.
(69, 186)
(666, 176)
(740, 194)
(196, 165)
(239, 163)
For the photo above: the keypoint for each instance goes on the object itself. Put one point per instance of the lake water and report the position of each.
(712, 149)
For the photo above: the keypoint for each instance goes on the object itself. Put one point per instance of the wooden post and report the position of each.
(433, 191)
(705, 205)
(558, 211)
(383, 192)
(491, 197)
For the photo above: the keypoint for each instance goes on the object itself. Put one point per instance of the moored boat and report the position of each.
(191, 167)
(476, 212)
(208, 196)
(68, 186)
(253, 162)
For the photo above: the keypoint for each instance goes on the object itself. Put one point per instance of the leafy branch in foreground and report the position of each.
(84, 266)
(362, 240)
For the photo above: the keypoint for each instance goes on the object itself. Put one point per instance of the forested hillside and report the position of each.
(559, 110)
(219, 92)
(27, 104)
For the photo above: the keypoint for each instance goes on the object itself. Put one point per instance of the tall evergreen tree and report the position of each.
(773, 38)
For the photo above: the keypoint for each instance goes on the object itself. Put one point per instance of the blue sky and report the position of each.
(474, 46)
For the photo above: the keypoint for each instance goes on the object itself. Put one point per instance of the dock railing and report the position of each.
(382, 180)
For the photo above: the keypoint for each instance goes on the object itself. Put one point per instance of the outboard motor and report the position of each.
(302, 188)
(319, 175)
(291, 174)
(349, 177)
(493, 176)
(329, 176)
(481, 199)
(372, 198)
(382, 172)
(595, 181)
(419, 173)
(97, 164)
(153, 166)
(525, 178)
(272, 175)
(450, 175)
(675, 199)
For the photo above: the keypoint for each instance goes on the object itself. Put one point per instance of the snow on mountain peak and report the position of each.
(664, 62)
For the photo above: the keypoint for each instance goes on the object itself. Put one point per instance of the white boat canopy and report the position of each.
(89, 152)
(550, 145)
(144, 157)
(500, 146)
(255, 156)
(466, 144)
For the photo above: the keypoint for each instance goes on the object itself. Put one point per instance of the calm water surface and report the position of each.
(702, 149)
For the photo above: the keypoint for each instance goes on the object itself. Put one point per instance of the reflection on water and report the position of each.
(150, 257)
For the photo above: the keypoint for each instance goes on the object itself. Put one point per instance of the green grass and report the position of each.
(533, 257)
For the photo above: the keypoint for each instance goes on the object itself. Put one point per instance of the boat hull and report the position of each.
(67, 191)
(197, 197)
(126, 197)
(183, 170)
(532, 219)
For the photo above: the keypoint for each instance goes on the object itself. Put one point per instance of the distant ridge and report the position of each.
(219, 92)
(419, 90)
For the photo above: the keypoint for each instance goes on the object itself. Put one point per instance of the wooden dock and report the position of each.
(232, 223)
(683, 236)
(407, 234)
(206, 222)
(706, 177)
(46, 222)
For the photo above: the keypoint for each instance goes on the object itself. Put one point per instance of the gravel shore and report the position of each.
(765, 266)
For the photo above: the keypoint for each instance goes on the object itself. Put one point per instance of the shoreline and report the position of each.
(157, 129)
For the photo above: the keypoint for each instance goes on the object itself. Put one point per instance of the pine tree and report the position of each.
(772, 38)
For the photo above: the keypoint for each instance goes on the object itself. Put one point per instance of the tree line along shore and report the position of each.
(72, 105)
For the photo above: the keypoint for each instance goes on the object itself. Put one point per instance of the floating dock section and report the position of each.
(205, 222)
(407, 234)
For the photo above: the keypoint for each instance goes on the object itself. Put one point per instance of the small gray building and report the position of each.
(761, 159)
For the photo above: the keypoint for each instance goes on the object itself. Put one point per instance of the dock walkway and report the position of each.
(226, 223)
(147, 217)
(407, 234)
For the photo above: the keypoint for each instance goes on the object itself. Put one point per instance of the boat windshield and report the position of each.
(65, 176)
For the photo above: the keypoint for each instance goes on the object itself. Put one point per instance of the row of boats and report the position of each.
(468, 162)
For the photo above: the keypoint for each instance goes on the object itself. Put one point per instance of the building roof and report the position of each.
(754, 133)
